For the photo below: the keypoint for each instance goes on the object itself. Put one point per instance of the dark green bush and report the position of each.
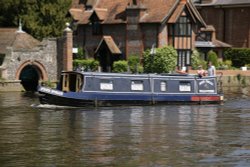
(212, 57)
(86, 64)
(120, 66)
(134, 64)
(239, 56)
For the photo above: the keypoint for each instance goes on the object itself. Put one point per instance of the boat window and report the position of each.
(106, 84)
(137, 85)
(184, 86)
(65, 80)
(163, 86)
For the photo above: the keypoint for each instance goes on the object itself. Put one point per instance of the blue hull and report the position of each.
(108, 99)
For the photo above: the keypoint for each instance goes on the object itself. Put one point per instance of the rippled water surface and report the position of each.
(171, 135)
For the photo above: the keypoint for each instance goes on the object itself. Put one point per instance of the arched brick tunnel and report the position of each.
(30, 73)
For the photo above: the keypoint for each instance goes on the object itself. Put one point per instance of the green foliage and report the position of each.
(41, 18)
(227, 64)
(196, 60)
(134, 64)
(80, 54)
(239, 56)
(163, 61)
(120, 66)
(86, 64)
(212, 57)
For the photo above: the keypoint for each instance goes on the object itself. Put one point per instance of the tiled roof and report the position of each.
(7, 36)
(220, 44)
(101, 13)
(10, 37)
(77, 13)
(174, 17)
(157, 10)
(114, 11)
(227, 3)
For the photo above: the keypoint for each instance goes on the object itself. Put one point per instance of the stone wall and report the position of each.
(10, 86)
(43, 57)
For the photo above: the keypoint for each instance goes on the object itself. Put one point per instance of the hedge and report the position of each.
(85, 64)
(239, 56)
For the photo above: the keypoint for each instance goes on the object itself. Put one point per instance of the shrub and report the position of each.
(196, 60)
(120, 66)
(212, 57)
(134, 64)
(80, 54)
(163, 61)
(239, 56)
(86, 64)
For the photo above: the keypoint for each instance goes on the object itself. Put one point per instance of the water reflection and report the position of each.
(173, 135)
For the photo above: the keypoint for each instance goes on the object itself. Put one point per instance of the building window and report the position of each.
(163, 86)
(183, 27)
(184, 57)
(137, 85)
(106, 84)
(185, 86)
(96, 28)
(204, 36)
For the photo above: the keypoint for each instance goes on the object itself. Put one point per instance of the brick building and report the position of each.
(231, 19)
(111, 30)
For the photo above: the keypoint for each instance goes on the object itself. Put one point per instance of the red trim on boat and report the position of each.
(206, 98)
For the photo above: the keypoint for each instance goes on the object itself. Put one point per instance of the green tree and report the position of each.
(212, 57)
(163, 61)
(197, 60)
(41, 18)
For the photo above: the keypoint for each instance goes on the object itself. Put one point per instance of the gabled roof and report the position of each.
(101, 13)
(227, 3)
(176, 14)
(11, 37)
(108, 40)
(77, 13)
(154, 11)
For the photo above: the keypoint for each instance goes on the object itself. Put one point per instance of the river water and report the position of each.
(143, 136)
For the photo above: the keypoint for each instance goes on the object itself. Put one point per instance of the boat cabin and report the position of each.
(131, 83)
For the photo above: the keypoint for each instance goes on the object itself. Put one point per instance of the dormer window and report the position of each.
(204, 36)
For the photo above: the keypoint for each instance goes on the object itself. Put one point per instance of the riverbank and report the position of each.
(11, 86)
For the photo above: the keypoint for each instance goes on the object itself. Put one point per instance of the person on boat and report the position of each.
(201, 72)
(211, 71)
(182, 71)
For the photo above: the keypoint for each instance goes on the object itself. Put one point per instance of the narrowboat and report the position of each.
(81, 89)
